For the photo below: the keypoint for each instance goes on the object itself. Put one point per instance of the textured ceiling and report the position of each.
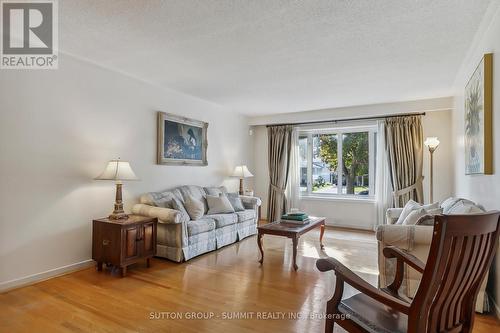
(272, 56)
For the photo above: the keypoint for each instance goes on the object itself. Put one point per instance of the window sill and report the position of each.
(368, 199)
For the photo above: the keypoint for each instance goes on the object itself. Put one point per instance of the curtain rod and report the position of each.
(350, 119)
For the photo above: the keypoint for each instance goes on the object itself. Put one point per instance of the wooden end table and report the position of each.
(123, 242)
(291, 231)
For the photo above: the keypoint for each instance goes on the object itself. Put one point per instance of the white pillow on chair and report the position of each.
(412, 206)
(407, 209)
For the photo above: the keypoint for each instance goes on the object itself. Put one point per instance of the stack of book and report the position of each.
(295, 218)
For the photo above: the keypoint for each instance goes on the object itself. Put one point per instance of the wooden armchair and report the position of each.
(462, 249)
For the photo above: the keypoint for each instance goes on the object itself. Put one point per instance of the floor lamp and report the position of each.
(432, 143)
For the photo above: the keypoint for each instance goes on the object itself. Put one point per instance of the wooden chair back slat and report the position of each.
(461, 251)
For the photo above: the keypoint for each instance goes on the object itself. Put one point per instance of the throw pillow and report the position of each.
(414, 216)
(235, 200)
(219, 204)
(429, 207)
(465, 207)
(177, 205)
(408, 208)
(427, 220)
(194, 207)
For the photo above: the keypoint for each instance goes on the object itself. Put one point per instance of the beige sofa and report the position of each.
(416, 240)
(179, 238)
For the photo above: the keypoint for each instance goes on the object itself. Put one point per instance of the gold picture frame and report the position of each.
(478, 119)
(181, 140)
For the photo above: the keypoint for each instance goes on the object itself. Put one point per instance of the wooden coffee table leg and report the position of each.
(295, 241)
(321, 233)
(259, 242)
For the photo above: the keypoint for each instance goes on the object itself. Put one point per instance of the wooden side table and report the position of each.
(123, 242)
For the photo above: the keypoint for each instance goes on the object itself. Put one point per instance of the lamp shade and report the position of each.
(431, 142)
(241, 171)
(117, 170)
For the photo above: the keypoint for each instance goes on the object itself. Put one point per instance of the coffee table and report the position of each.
(291, 231)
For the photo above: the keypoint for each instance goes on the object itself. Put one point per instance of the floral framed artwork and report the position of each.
(478, 138)
(181, 141)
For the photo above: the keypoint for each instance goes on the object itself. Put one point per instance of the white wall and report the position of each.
(484, 189)
(357, 214)
(57, 131)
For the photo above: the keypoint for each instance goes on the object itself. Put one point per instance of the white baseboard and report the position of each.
(31, 279)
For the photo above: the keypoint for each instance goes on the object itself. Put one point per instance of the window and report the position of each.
(338, 161)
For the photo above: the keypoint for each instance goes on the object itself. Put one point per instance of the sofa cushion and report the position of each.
(219, 204)
(159, 199)
(235, 200)
(193, 191)
(194, 207)
(177, 205)
(215, 190)
(200, 226)
(222, 220)
(245, 215)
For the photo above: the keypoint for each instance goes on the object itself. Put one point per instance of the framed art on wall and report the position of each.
(478, 138)
(181, 141)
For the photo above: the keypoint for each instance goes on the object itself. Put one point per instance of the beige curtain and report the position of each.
(279, 152)
(404, 146)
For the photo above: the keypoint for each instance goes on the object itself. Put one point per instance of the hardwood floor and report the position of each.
(217, 286)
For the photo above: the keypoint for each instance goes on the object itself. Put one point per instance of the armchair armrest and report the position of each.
(401, 259)
(164, 215)
(345, 274)
(400, 255)
(250, 202)
(392, 215)
(405, 237)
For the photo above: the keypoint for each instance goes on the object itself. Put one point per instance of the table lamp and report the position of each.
(118, 171)
(432, 143)
(241, 171)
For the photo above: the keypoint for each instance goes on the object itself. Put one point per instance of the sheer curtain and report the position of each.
(293, 187)
(383, 187)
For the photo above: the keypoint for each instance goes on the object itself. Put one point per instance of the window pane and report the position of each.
(303, 162)
(355, 159)
(324, 164)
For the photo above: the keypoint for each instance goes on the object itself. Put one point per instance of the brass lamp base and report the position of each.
(118, 213)
(118, 216)
(241, 186)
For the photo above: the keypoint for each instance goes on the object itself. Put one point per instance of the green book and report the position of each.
(295, 217)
